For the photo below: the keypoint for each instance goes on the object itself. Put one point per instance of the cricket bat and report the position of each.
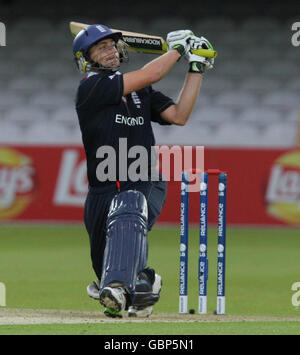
(143, 43)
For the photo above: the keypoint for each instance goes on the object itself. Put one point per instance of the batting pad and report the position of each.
(126, 250)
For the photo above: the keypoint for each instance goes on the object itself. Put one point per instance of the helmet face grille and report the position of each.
(87, 38)
(115, 36)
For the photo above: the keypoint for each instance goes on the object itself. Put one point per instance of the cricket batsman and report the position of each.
(120, 212)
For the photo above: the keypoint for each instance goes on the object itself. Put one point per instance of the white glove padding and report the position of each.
(179, 38)
(200, 43)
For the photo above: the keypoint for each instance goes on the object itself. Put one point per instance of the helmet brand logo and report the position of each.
(101, 29)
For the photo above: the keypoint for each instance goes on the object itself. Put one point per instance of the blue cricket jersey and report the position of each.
(105, 116)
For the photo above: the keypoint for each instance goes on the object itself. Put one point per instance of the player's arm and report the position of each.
(150, 73)
(180, 112)
(159, 67)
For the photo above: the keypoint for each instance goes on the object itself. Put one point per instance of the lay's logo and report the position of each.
(283, 191)
(16, 182)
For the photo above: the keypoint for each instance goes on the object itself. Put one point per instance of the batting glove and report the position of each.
(199, 64)
(179, 40)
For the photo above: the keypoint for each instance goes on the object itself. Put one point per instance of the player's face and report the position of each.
(105, 53)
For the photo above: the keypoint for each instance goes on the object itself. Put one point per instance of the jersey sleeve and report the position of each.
(99, 90)
(159, 103)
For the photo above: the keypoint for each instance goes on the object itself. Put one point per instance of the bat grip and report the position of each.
(207, 53)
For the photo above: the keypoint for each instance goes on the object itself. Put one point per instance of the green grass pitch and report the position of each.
(48, 267)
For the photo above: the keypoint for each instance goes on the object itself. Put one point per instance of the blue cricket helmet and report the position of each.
(89, 36)
(85, 39)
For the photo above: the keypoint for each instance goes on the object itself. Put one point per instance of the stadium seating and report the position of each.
(66, 116)
(25, 116)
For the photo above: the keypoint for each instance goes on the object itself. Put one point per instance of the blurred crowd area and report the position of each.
(250, 99)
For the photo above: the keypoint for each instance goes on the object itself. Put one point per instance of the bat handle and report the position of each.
(207, 53)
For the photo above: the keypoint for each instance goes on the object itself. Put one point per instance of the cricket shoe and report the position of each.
(134, 311)
(93, 290)
(113, 299)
